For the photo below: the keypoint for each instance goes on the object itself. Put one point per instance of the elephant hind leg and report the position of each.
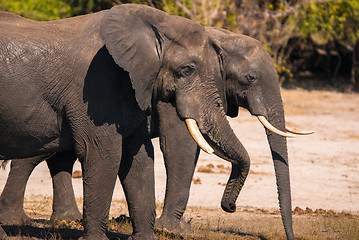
(64, 203)
(12, 197)
(99, 171)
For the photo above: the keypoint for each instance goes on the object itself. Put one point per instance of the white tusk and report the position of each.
(269, 126)
(295, 131)
(197, 136)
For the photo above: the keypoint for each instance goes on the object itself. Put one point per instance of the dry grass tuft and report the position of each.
(196, 181)
(210, 168)
(206, 169)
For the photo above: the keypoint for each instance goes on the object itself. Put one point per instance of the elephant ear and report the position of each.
(133, 41)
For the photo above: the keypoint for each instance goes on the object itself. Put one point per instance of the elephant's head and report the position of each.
(250, 80)
(170, 58)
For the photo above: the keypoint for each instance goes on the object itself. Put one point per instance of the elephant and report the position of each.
(85, 85)
(232, 53)
(249, 80)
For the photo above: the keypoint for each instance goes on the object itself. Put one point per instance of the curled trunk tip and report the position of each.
(234, 185)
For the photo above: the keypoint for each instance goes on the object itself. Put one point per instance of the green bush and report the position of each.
(326, 21)
(37, 9)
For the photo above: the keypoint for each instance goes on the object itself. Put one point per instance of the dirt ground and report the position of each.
(324, 167)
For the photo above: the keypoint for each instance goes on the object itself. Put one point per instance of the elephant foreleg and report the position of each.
(180, 153)
(100, 158)
(137, 178)
(12, 196)
(64, 203)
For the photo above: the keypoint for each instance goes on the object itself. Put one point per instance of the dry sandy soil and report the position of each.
(324, 167)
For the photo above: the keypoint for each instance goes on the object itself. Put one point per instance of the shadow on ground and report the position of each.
(33, 232)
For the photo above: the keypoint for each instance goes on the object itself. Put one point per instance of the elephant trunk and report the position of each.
(227, 146)
(278, 146)
(233, 187)
(207, 110)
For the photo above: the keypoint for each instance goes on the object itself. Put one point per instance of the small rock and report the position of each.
(196, 181)
(326, 230)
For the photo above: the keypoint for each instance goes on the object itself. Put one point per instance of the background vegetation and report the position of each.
(310, 40)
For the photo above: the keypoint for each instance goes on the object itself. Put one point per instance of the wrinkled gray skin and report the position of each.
(246, 68)
(86, 85)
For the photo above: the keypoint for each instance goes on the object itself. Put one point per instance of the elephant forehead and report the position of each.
(195, 39)
(193, 44)
(180, 27)
(185, 54)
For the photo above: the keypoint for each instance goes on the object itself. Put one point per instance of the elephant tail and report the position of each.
(3, 163)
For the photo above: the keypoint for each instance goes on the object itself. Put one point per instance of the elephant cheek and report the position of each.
(166, 87)
(255, 104)
(188, 105)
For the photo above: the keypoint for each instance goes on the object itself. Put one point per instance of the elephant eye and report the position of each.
(186, 71)
(250, 78)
